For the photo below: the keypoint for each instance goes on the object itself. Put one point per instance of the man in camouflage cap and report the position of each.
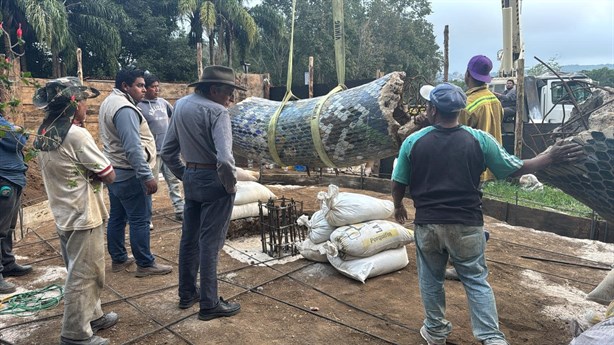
(73, 171)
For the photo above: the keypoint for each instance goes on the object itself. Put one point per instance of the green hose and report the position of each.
(31, 302)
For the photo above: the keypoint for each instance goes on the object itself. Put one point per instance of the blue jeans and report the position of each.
(130, 203)
(465, 245)
(206, 217)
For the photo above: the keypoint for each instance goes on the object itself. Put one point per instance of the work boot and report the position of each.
(93, 340)
(451, 274)
(105, 321)
(155, 269)
(6, 287)
(121, 266)
(16, 270)
(223, 309)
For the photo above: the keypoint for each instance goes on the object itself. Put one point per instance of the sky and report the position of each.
(571, 31)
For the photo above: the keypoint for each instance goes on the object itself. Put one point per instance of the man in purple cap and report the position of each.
(442, 165)
(484, 110)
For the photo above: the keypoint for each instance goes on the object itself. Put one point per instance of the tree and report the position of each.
(603, 76)
(540, 69)
(226, 23)
(46, 19)
(93, 27)
(389, 35)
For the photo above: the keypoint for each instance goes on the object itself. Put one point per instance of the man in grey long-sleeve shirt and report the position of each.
(130, 146)
(508, 100)
(200, 131)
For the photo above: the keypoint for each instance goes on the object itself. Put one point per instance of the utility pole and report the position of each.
(445, 53)
(518, 129)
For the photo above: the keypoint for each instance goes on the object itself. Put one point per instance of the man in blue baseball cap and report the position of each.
(442, 164)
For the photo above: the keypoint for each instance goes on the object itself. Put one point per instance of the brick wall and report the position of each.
(30, 117)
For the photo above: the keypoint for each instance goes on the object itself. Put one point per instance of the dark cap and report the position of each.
(446, 97)
(62, 91)
(218, 75)
(479, 68)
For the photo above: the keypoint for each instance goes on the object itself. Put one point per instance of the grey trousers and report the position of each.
(207, 215)
(83, 253)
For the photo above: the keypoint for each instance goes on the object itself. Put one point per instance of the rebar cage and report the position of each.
(279, 232)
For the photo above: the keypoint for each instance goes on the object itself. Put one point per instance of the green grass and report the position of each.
(547, 199)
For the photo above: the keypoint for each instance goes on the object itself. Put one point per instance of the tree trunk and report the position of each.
(55, 61)
(212, 48)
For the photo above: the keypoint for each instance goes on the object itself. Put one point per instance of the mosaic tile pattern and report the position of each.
(592, 180)
(356, 125)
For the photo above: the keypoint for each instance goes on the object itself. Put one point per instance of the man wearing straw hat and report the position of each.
(200, 131)
(73, 170)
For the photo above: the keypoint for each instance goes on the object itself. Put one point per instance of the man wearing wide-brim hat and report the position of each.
(200, 131)
(73, 170)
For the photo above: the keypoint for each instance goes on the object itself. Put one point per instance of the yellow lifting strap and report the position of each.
(272, 130)
(339, 35)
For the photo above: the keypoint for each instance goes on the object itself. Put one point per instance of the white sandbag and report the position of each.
(351, 208)
(312, 251)
(604, 292)
(367, 239)
(247, 175)
(378, 264)
(318, 228)
(250, 191)
(247, 210)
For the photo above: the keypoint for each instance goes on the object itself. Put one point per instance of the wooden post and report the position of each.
(311, 77)
(520, 113)
(199, 58)
(445, 53)
(80, 65)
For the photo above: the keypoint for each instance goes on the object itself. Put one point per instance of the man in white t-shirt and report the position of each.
(74, 170)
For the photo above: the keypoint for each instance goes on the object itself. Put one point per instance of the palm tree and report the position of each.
(225, 22)
(47, 18)
(93, 26)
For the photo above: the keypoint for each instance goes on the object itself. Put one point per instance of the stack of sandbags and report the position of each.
(363, 244)
(247, 197)
(365, 250)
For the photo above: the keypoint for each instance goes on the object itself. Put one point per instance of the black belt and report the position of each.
(201, 166)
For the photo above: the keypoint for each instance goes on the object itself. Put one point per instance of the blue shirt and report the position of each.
(442, 167)
(12, 165)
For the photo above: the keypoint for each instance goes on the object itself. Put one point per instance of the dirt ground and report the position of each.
(297, 301)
